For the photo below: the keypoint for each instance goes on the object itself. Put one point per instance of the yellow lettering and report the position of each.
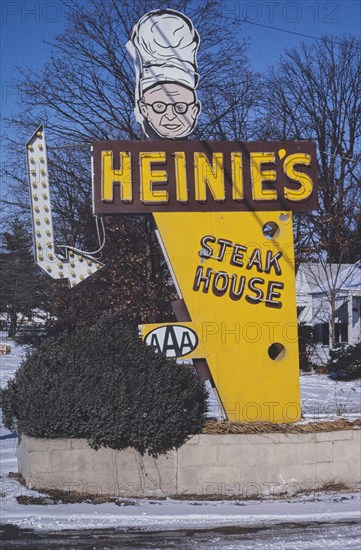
(149, 176)
(209, 175)
(237, 176)
(181, 177)
(260, 176)
(306, 185)
(123, 177)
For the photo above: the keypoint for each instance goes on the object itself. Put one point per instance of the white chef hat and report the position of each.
(164, 47)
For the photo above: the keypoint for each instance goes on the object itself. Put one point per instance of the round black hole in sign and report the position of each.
(270, 230)
(276, 351)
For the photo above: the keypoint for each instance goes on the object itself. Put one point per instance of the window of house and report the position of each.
(300, 309)
(341, 333)
(321, 334)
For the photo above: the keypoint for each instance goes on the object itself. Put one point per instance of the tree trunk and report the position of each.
(333, 321)
(13, 325)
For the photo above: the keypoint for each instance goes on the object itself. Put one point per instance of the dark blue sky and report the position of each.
(25, 24)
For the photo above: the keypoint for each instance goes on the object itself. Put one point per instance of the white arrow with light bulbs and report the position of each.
(75, 266)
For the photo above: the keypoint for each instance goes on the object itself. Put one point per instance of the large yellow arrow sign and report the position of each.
(235, 272)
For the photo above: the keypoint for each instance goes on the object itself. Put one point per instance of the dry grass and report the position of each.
(333, 485)
(31, 500)
(56, 497)
(213, 427)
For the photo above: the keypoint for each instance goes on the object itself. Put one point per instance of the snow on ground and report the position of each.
(326, 399)
(9, 363)
(176, 515)
(321, 398)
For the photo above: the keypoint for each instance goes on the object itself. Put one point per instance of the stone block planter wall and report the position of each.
(207, 465)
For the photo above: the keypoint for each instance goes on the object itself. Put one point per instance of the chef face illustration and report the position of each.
(171, 109)
(163, 47)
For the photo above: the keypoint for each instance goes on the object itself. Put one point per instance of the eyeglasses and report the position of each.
(180, 108)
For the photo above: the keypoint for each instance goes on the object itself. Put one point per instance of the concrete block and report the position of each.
(197, 455)
(259, 455)
(72, 460)
(284, 453)
(46, 445)
(233, 455)
(155, 476)
(37, 444)
(23, 456)
(233, 465)
(128, 473)
(215, 439)
(340, 471)
(313, 453)
(194, 440)
(66, 483)
(60, 444)
(193, 480)
(269, 473)
(302, 475)
(79, 444)
(100, 461)
(334, 436)
(262, 439)
(346, 451)
(238, 439)
(300, 438)
(237, 490)
(40, 462)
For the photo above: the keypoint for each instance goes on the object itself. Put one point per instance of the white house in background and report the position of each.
(315, 284)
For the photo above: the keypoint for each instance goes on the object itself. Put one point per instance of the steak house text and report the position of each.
(254, 290)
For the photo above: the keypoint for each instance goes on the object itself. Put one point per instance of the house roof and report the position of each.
(314, 278)
(351, 277)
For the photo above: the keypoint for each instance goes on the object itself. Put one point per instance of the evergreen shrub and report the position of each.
(105, 385)
(346, 359)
